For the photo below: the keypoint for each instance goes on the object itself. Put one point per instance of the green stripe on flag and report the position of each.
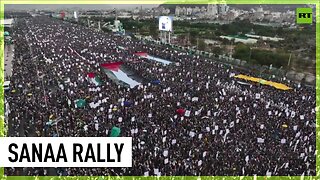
(97, 81)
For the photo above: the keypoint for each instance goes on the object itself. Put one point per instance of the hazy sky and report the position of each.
(75, 6)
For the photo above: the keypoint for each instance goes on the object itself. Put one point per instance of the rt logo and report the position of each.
(304, 15)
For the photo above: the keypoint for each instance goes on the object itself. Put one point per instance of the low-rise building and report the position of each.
(241, 39)
(265, 38)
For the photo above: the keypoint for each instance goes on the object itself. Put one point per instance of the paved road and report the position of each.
(8, 57)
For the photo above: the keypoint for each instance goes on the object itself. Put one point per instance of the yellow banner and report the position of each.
(264, 82)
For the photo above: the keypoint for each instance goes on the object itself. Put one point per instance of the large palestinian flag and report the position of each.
(141, 54)
(94, 79)
(112, 66)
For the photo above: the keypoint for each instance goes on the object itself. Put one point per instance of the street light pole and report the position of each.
(250, 54)
(289, 61)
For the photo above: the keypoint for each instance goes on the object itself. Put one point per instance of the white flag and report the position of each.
(247, 159)
(194, 99)
(260, 140)
(164, 139)
(204, 154)
(174, 141)
(166, 161)
(187, 113)
(120, 119)
(165, 153)
(192, 134)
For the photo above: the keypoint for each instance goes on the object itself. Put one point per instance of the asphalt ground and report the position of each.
(8, 57)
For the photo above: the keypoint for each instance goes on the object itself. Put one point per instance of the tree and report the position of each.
(193, 40)
(201, 45)
(216, 50)
(242, 52)
(153, 29)
(277, 59)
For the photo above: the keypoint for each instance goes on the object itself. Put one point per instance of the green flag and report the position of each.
(79, 103)
(115, 131)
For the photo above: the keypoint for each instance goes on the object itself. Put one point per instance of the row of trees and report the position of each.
(278, 59)
(263, 57)
(195, 33)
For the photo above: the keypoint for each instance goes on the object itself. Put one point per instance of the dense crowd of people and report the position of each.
(196, 120)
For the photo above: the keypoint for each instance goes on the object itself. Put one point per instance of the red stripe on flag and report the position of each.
(91, 75)
(112, 66)
(144, 54)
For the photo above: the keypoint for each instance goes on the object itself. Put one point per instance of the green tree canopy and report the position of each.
(242, 52)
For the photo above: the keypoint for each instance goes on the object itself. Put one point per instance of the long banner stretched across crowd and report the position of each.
(264, 82)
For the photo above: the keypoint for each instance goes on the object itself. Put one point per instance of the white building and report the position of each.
(136, 10)
(189, 11)
(265, 38)
(178, 10)
(276, 14)
(165, 11)
(235, 12)
(196, 9)
(223, 9)
(183, 11)
(212, 10)
(203, 9)
(243, 40)
(260, 9)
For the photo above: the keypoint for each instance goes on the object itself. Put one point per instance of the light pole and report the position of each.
(249, 53)
(289, 61)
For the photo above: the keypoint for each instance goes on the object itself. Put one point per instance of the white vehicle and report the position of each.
(6, 85)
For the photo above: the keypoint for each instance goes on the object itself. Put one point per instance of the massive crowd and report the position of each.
(197, 121)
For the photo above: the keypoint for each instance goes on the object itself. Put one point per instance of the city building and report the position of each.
(189, 11)
(241, 39)
(223, 9)
(203, 9)
(265, 38)
(178, 10)
(136, 10)
(165, 11)
(212, 10)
